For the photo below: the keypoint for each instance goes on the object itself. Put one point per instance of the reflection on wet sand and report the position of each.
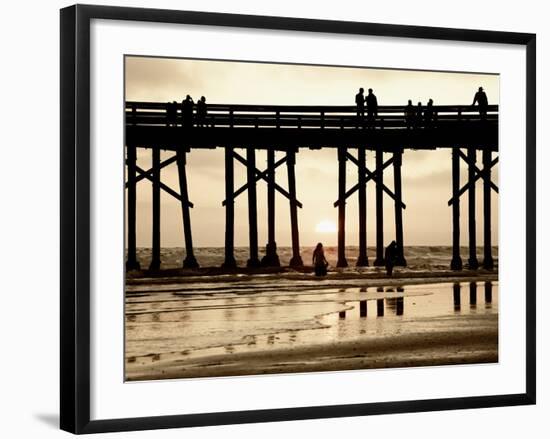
(200, 331)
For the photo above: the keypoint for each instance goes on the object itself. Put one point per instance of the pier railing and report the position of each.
(306, 117)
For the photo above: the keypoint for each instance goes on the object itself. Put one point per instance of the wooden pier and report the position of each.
(287, 129)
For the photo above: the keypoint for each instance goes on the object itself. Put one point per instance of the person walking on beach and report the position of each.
(360, 102)
(482, 103)
(187, 111)
(201, 112)
(319, 261)
(390, 256)
(372, 107)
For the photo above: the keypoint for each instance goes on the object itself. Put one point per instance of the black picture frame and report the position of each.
(75, 217)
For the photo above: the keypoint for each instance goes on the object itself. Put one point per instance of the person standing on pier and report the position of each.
(201, 112)
(429, 113)
(372, 107)
(409, 115)
(320, 263)
(390, 256)
(172, 113)
(360, 102)
(419, 115)
(187, 111)
(482, 103)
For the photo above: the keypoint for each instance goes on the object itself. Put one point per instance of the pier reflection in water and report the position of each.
(175, 324)
(429, 304)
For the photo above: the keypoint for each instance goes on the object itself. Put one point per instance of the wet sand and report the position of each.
(246, 325)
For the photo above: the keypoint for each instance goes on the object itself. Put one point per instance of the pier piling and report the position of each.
(379, 261)
(342, 262)
(229, 261)
(397, 161)
(456, 262)
(473, 263)
(296, 260)
(131, 261)
(190, 260)
(362, 260)
(253, 260)
(155, 260)
(488, 263)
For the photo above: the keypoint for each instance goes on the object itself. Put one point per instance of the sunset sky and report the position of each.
(426, 174)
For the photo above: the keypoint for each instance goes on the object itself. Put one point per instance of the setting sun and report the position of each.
(326, 226)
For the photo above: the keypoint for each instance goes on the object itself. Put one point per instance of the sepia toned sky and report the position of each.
(426, 174)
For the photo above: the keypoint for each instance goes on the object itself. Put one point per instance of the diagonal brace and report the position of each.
(479, 174)
(477, 170)
(261, 175)
(372, 176)
(162, 185)
(150, 171)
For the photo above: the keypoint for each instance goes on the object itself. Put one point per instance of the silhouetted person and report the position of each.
(172, 113)
(429, 113)
(319, 261)
(372, 107)
(187, 111)
(201, 111)
(419, 115)
(270, 259)
(482, 103)
(409, 114)
(390, 256)
(360, 102)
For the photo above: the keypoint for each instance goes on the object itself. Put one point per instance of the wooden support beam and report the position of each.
(362, 259)
(189, 261)
(479, 174)
(472, 259)
(259, 173)
(132, 262)
(397, 162)
(488, 262)
(296, 260)
(379, 261)
(229, 261)
(155, 259)
(253, 260)
(369, 176)
(342, 262)
(478, 171)
(271, 259)
(165, 188)
(456, 262)
(262, 175)
(143, 174)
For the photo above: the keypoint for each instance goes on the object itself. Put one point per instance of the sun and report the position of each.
(325, 226)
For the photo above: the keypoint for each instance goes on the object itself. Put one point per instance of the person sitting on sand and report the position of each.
(319, 261)
(391, 257)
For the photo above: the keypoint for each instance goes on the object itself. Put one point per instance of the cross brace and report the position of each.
(150, 171)
(162, 185)
(262, 176)
(370, 176)
(479, 174)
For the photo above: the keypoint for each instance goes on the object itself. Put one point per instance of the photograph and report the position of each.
(297, 218)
